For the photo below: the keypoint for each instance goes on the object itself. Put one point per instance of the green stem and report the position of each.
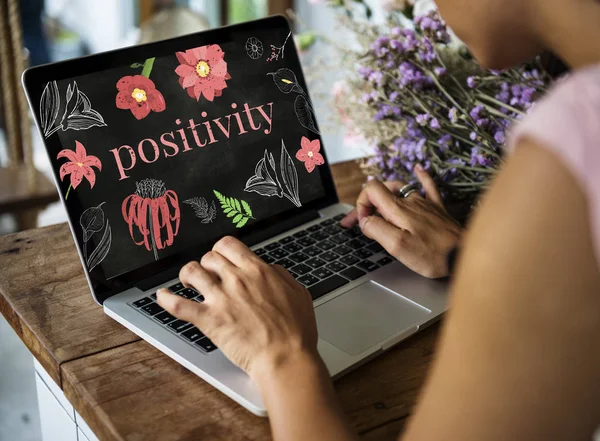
(499, 103)
(148, 64)
(68, 190)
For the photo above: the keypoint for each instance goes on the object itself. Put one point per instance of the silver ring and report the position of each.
(407, 190)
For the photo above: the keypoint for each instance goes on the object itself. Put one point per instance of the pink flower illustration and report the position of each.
(79, 166)
(309, 153)
(203, 71)
(139, 94)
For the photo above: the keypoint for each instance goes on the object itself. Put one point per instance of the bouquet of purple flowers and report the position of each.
(419, 97)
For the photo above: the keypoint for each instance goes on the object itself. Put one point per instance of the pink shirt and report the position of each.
(567, 121)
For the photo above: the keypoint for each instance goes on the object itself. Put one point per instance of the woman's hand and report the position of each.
(417, 231)
(257, 314)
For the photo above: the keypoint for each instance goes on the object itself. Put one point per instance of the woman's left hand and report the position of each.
(256, 313)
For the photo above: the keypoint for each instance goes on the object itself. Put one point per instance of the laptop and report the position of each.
(161, 149)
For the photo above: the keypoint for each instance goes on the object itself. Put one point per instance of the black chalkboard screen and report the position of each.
(161, 149)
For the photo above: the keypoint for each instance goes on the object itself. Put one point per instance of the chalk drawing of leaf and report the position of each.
(305, 114)
(289, 175)
(102, 248)
(286, 81)
(79, 114)
(205, 212)
(49, 106)
(233, 208)
(91, 221)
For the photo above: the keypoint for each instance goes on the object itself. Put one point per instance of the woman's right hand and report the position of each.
(417, 231)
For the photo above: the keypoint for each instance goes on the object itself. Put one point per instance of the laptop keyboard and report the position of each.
(322, 257)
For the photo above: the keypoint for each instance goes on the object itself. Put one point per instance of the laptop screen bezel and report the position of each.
(35, 78)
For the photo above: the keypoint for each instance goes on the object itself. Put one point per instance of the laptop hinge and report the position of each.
(252, 239)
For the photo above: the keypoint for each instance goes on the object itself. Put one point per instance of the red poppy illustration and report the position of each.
(139, 94)
(203, 71)
(309, 153)
(154, 211)
(79, 166)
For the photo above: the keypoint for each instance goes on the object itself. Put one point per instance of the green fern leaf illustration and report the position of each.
(241, 223)
(239, 211)
(247, 208)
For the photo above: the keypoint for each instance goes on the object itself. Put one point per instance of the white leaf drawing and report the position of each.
(49, 106)
(205, 212)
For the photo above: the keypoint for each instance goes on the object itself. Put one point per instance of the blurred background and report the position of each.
(35, 32)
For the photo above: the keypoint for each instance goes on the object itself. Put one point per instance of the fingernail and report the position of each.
(419, 167)
(362, 222)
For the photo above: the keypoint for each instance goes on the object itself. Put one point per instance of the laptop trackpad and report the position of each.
(365, 316)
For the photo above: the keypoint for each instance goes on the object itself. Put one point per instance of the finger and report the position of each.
(285, 274)
(194, 275)
(217, 264)
(235, 251)
(377, 196)
(393, 239)
(350, 220)
(429, 186)
(179, 307)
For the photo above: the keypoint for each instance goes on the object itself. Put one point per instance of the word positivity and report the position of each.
(202, 133)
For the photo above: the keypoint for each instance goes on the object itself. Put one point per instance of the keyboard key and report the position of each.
(322, 273)
(286, 240)
(292, 247)
(328, 256)
(308, 279)
(332, 230)
(342, 250)
(152, 309)
(326, 286)
(315, 262)
(198, 299)
(353, 232)
(336, 266)
(272, 246)
(142, 302)
(179, 325)
(367, 265)
(349, 260)
(375, 247)
(164, 318)
(300, 234)
(319, 236)
(328, 222)
(352, 273)
(355, 244)
(385, 260)
(339, 239)
(312, 251)
(298, 257)
(176, 287)
(192, 334)
(188, 293)
(286, 263)
(339, 217)
(306, 241)
(363, 254)
(326, 245)
(205, 344)
(278, 254)
(301, 269)
(153, 296)
(260, 251)
(314, 228)
(267, 258)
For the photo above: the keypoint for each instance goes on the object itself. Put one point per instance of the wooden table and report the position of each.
(127, 390)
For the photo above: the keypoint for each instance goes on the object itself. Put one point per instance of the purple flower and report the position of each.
(476, 112)
(445, 140)
(473, 136)
(440, 71)
(472, 82)
(422, 119)
(499, 137)
(434, 124)
(477, 158)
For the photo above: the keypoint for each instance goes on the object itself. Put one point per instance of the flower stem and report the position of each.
(68, 190)
(152, 235)
(148, 64)
(488, 98)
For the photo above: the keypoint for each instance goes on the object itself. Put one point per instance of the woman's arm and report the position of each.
(519, 356)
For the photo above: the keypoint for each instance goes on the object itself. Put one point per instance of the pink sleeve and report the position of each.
(567, 121)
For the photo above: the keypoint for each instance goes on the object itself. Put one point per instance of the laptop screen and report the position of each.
(166, 147)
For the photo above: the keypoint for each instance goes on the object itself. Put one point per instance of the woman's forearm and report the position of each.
(301, 401)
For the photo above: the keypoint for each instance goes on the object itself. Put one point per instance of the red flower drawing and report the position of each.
(138, 94)
(154, 211)
(79, 166)
(309, 153)
(203, 71)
